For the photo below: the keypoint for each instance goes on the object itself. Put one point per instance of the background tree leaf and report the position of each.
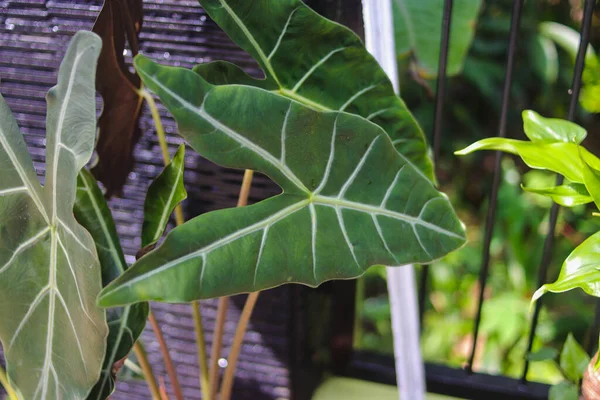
(118, 124)
(125, 324)
(319, 63)
(163, 196)
(573, 359)
(52, 332)
(563, 391)
(418, 31)
(551, 130)
(580, 270)
(349, 200)
(543, 354)
(569, 195)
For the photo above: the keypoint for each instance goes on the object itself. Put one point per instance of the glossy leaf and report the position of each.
(118, 124)
(127, 323)
(573, 359)
(569, 195)
(563, 391)
(163, 196)
(317, 62)
(580, 270)
(349, 199)
(591, 179)
(51, 330)
(551, 130)
(563, 158)
(418, 31)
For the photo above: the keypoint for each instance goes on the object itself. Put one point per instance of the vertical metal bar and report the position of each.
(549, 241)
(491, 215)
(440, 96)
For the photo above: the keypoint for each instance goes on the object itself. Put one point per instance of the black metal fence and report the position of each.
(467, 382)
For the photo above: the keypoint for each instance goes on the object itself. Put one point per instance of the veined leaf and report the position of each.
(418, 30)
(163, 196)
(334, 71)
(580, 270)
(127, 323)
(118, 124)
(52, 332)
(569, 195)
(551, 130)
(349, 199)
(563, 158)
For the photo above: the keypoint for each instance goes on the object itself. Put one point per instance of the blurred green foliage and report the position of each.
(541, 80)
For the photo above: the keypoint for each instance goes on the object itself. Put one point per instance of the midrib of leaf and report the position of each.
(166, 212)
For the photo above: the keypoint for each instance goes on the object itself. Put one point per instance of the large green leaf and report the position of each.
(52, 332)
(317, 62)
(127, 323)
(163, 195)
(551, 130)
(580, 270)
(349, 199)
(418, 30)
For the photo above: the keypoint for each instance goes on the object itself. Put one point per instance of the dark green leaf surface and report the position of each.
(568, 195)
(418, 30)
(317, 62)
(349, 199)
(163, 196)
(580, 270)
(51, 330)
(124, 324)
(573, 359)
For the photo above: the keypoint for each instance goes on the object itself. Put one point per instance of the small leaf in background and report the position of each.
(544, 58)
(573, 359)
(125, 324)
(563, 391)
(52, 332)
(344, 204)
(551, 130)
(334, 73)
(543, 354)
(118, 124)
(163, 195)
(568, 195)
(580, 270)
(418, 30)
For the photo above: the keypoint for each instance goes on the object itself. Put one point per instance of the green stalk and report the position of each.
(179, 220)
(142, 358)
(12, 395)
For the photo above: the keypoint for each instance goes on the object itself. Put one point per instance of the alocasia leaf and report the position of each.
(573, 359)
(163, 196)
(317, 62)
(118, 123)
(568, 195)
(418, 30)
(580, 270)
(52, 332)
(349, 200)
(127, 323)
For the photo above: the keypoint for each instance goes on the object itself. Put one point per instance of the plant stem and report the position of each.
(140, 353)
(166, 356)
(227, 384)
(12, 395)
(224, 302)
(202, 360)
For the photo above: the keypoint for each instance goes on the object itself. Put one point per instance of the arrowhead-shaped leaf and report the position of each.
(127, 323)
(317, 62)
(349, 199)
(52, 332)
(163, 195)
(118, 123)
(580, 270)
(418, 30)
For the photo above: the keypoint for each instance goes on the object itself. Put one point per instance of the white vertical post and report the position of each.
(410, 373)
